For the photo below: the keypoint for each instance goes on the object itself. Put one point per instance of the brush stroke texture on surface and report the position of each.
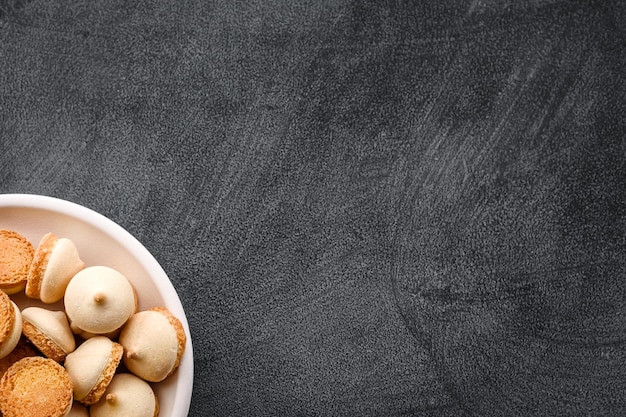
(367, 208)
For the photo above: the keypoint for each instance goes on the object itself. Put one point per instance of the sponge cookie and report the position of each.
(35, 387)
(10, 325)
(127, 395)
(55, 262)
(154, 342)
(16, 255)
(99, 300)
(49, 331)
(92, 366)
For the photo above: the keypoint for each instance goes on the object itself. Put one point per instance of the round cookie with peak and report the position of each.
(99, 300)
(154, 343)
(126, 395)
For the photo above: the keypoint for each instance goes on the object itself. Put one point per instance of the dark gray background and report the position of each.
(367, 208)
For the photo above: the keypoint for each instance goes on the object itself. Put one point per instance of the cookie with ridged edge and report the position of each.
(35, 387)
(92, 366)
(16, 256)
(49, 331)
(154, 342)
(55, 262)
(10, 325)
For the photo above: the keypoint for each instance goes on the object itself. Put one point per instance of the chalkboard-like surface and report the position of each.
(367, 208)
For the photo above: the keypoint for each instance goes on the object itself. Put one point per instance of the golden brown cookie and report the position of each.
(35, 387)
(10, 325)
(16, 255)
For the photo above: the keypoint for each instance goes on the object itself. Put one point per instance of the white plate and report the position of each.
(100, 241)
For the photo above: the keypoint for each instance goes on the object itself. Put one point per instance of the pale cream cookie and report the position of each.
(154, 343)
(126, 395)
(92, 366)
(99, 300)
(54, 264)
(49, 331)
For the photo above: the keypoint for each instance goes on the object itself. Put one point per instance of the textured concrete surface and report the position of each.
(367, 208)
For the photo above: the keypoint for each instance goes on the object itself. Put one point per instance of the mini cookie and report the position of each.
(10, 325)
(154, 342)
(35, 387)
(99, 300)
(55, 262)
(127, 395)
(16, 255)
(23, 350)
(49, 331)
(92, 366)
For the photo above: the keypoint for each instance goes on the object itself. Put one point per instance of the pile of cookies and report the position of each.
(98, 357)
